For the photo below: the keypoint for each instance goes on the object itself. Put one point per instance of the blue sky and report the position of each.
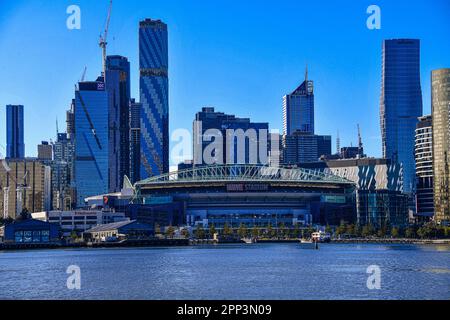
(240, 56)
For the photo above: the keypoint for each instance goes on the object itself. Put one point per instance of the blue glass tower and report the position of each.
(298, 109)
(15, 147)
(91, 140)
(154, 97)
(401, 104)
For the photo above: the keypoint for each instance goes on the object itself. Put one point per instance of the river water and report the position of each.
(257, 271)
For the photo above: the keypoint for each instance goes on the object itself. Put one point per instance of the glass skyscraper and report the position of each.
(154, 97)
(91, 140)
(118, 86)
(401, 104)
(298, 109)
(15, 147)
(440, 107)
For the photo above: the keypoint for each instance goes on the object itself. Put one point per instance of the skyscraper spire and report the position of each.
(306, 73)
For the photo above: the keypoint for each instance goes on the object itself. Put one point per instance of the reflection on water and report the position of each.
(258, 271)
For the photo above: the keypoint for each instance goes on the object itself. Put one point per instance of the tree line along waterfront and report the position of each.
(282, 232)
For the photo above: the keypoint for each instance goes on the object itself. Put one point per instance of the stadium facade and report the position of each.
(253, 195)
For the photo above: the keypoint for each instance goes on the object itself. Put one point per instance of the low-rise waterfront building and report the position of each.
(131, 230)
(31, 231)
(78, 220)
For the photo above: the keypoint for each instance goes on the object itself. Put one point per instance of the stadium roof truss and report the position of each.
(244, 173)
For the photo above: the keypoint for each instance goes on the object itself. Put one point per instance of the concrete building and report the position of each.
(45, 151)
(301, 147)
(424, 169)
(24, 184)
(440, 91)
(239, 141)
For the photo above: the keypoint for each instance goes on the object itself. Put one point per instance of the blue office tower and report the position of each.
(401, 104)
(154, 97)
(298, 109)
(91, 140)
(15, 147)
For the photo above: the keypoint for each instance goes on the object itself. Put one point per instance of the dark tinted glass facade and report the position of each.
(154, 96)
(401, 103)
(118, 85)
(15, 147)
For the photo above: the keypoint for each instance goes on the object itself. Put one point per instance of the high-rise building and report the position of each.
(401, 103)
(424, 168)
(298, 109)
(92, 148)
(118, 87)
(15, 147)
(301, 147)
(45, 151)
(25, 184)
(440, 92)
(239, 141)
(63, 192)
(135, 140)
(70, 121)
(154, 96)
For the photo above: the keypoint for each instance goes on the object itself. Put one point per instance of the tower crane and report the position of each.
(103, 38)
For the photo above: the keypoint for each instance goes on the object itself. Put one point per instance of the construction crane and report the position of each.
(103, 38)
(20, 188)
(83, 75)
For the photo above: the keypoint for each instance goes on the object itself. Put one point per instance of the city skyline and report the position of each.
(220, 95)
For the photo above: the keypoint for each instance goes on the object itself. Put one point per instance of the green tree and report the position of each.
(382, 232)
(395, 232)
(341, 229)
(212, 230)
(367, 230)
(242, 231)
(410, 232)
(328, 229)
(199, 232)
(255, 232)
(170, 232)
(296, 231)
(157, 229)
(282, 229)
(269, 231)
(185, 233)
(74, 236)
(227, 231)
(350, 229)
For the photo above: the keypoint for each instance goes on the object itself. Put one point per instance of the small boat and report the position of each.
(308, 244)
(249, 240)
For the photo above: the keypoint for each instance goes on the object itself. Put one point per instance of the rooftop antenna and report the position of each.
(306, 73)
(360, 143)
(57, 128)
(338, 143)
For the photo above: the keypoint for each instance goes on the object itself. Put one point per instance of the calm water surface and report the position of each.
(259, 271)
